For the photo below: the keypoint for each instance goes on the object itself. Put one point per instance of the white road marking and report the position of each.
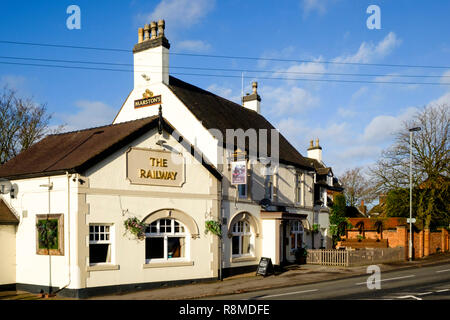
(424, 293)
(288, 293)
(446, 270)
(365, 282)
(405, 297)
(443, 290)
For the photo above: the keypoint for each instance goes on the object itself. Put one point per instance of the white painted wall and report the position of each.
(118, 204)
(268, 239)
(32, 198)
(8, 254)
(154, 63)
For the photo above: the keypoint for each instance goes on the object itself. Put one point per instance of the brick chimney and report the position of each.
(363, 208)
(315, 151)
(151, 55)
(252, 101)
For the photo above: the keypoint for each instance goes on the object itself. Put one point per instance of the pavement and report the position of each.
(292, 275)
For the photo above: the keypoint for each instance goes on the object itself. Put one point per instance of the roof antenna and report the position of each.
(242, 86)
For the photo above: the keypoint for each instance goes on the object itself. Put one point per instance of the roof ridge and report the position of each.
(99, 127)
(220, 97)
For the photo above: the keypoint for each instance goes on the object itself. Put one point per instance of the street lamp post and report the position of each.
(410, 190)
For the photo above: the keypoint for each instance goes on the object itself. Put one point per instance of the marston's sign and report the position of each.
(147, 102)
(155, 167)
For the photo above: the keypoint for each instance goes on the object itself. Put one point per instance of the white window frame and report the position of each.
(110, 241)
(166, 236)
(297, 230)
(241, 234)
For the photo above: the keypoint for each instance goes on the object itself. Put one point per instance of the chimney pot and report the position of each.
(140, 35)
(311, 144)
(255, 87)
(153, 29)
(317, 142)
(146, 32)
(161, 27)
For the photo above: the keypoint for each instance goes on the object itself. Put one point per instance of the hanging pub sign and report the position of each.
(239, 172)
(147, 100)
(155, 167)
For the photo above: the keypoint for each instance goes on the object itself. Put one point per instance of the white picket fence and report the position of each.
(328, 257)
(348, 258)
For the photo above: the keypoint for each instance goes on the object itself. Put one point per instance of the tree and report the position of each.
(338, 221)
(397, 203)
(22, 123)
(431, 155)
(357, 187)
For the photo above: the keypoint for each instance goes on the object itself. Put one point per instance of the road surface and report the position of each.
(421, 283)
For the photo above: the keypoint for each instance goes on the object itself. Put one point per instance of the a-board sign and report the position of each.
(265, 267)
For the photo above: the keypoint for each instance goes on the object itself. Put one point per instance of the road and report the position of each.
(422, 283)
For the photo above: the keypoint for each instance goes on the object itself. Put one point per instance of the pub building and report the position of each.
(126, 206)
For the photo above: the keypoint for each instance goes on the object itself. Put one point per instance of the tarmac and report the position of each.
(291, 275)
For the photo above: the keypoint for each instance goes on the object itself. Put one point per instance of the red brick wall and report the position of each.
(435, 241)
(399, 237)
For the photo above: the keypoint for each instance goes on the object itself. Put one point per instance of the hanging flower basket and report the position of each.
(135, 227)
(214, 227)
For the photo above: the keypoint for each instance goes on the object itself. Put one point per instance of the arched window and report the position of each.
(241, 239)
(296, 235)
(166, 239)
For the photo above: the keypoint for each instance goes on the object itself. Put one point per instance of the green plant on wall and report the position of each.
(135, 227)
(48, 233)
(214, 227)
(315, 228)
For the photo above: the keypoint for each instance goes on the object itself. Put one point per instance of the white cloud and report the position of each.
(444, 99)
(224, 92)
(179, 13)
(346, 113)
(193, 45)
(306, 69)
(361, 92)
(446, 77)
(288, 100)
(309, 6)
(382, 128)
(90, 114)
(369, 52)
(284, 53)
(12, 81)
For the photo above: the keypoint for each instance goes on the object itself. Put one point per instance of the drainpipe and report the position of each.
(49, 187)
(221, 224)
(68, 229)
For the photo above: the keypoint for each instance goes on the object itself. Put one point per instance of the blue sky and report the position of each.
(354, 121)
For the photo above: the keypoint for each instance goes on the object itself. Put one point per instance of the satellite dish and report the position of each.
(7, 187)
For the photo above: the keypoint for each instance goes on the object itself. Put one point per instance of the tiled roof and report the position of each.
(219, 113)
(73, 150)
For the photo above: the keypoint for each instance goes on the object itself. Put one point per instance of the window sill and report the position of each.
(103, 267)
(168, 264)
(243, 259)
